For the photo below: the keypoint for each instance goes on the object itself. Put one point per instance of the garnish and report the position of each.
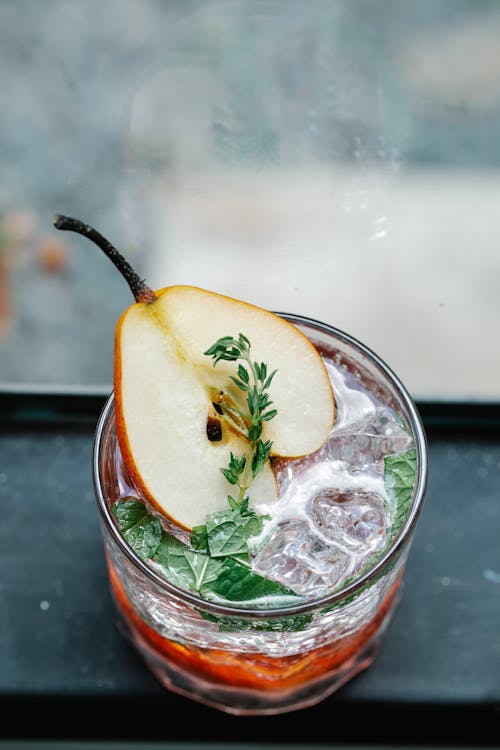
(399, 477)
(186, 568)
(290, 624)
(140, 529)
(223, 578)
(226, 533)
(217, 563)
(173, 453)
(253, 380)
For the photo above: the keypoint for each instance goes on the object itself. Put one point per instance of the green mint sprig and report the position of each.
(141, 530)
(400, 471)
(254, 380)
(290, 624)
(223, 578)
(226, 533)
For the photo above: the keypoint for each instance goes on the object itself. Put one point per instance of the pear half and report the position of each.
(166, 388)
(169, 396)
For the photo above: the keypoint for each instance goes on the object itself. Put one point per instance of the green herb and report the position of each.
(237, 583)
(141, 530)
(226, 532)
(185, 567)
(290, 624)
(399, 477)
(254, 380)
(223, 578)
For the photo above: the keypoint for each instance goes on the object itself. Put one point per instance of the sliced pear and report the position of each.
(163, 408)
(301, 390)
(168, 394)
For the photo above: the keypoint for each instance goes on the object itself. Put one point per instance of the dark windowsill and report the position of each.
(66, 672)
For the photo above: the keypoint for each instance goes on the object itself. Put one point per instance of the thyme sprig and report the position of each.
(253, 379)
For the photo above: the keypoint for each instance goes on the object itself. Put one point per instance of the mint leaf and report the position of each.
(140, 529)
(224, 577)
(227, 531)
(399, 478)
(237, 583)
(291, 624)
(226, 538)
(185, 567)
(199, 540)
(227, 578)
(129, 512)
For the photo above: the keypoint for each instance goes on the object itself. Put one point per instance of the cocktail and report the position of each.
(259, 476)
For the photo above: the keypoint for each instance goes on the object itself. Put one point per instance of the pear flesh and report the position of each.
(165, 390)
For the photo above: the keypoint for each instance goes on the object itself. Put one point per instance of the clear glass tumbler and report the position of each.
(245, 661)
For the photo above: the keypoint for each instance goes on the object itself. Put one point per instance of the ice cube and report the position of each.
(362, 450)
(326, 526)
(356, 520)
(298, 558)
(333, 513)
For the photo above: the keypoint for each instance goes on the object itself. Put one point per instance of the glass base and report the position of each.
(243, 701)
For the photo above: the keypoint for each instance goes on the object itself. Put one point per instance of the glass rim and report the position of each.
(306, 605)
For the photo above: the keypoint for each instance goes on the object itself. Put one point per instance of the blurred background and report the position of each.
(338, 159)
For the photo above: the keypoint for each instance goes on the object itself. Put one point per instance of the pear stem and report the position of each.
(141, 291)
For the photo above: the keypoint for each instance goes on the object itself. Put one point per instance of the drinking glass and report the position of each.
(262, 661)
